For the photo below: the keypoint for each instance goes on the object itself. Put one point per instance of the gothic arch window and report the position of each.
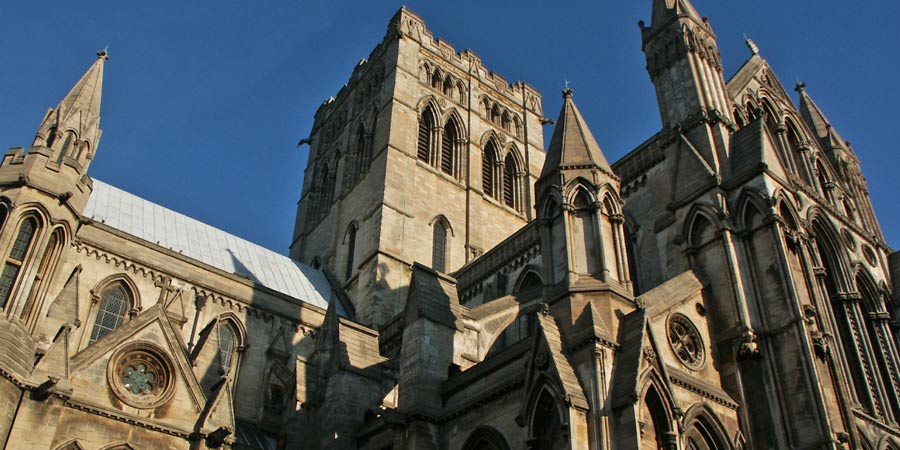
(585, 246)
(486, 438)
(794, 142)
(772, 118)
(461, 90)
(448, 86)
(495, 114)
(752, 112)
(18, 254)
(547, 425)
(848, 209)
(51, 137)
(450, 147)
(427, 123)
(702, 231)
(520, 329)
(738, 118)
(489, 166)
(881, 339)
(45, 270)
(228, 346)
(701, 435)
(654, 421)
(529, 284)
(68, 146)
(511, 181)
(826, 186)
(518, 126)
(351, 250)
(436, 79)
(845, 315)
(505, 121)
(439, 247)
(116, 301)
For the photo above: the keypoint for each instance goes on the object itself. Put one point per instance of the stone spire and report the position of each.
(78, 112)
(816, 120)
(573, 145)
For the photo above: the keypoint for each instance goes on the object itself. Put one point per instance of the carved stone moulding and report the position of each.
(141, 375)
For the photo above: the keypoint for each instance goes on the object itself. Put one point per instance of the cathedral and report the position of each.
(453, 283)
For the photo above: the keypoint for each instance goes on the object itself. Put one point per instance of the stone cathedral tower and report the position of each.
(424, 156)
(725, 285)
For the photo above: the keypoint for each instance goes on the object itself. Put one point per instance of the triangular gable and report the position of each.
(752, 150)
(548, 361)
(152, 326)
(64, 308)
(692, 173)
(638, 352)
(754, 69)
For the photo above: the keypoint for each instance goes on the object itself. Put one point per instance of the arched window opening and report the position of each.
(16, 259)
(530, 285)
(51, 137)
(826, 186)
(631, 245)
(510, 175)
(518, 125)
(227, 341)
(655, 421)
(486, 439)
(436, 79)
(495, 115)
(351, 249)
(505, 121)
(67, 147)
(700, 436)
(585, 248)
(521, 328)
(879, 335)
(426, 127)
(752, 112)
(844, 319)
(738, 118)
(702, 231)
(45, 269)
(461, 90)
(488, 165)
(772, 119)
(848, 209)
(448, 148)
(546, 424)
(359, 163)
(115, 301)
(439, 246)
(448, 86)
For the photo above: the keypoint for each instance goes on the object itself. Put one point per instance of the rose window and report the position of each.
(685, 341)
(141, 375)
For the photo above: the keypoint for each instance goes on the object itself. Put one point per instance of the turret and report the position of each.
(578, 200)
(684, 63)
(71, 131)
(64, 145)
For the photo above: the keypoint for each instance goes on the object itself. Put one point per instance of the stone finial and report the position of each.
(751, 45)
(800, 87)
(567, 92)
(103, 54)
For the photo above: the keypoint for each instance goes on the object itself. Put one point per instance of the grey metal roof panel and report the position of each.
(146, 220)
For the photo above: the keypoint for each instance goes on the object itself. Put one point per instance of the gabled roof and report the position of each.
(572, 143)
(146, 220)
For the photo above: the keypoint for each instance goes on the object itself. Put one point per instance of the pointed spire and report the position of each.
(79, 110)
(816, 120)
(664, 11)
(572, 143)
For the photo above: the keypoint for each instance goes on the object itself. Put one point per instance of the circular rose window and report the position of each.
(686, 341)
(141, 375)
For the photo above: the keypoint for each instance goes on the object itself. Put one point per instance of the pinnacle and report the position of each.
(572, 143)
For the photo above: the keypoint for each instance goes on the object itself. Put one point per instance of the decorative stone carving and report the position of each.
(686, 342)
(141, 375)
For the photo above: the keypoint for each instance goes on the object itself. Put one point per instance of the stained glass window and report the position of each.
(16, 257)
(226, 346)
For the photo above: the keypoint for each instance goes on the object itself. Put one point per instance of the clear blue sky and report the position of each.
(203, 102)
